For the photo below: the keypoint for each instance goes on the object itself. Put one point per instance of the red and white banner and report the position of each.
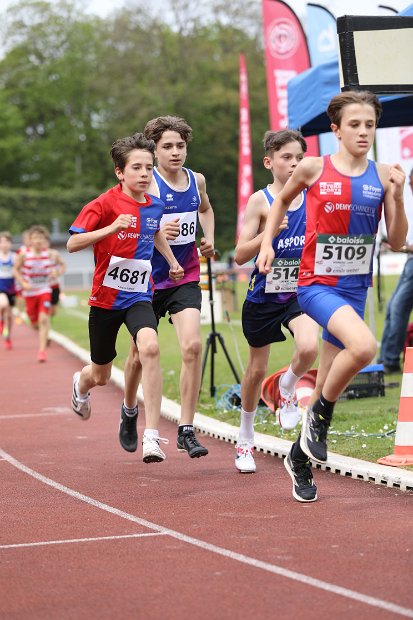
(245, 184)
(286, 55)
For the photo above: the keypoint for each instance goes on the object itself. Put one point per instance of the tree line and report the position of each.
(72, 83)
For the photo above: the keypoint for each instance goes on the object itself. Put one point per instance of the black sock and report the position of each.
(185, 428)
(297, 454)
(324, 409)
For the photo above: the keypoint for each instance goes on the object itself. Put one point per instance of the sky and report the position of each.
(338, 7)
(97, 7)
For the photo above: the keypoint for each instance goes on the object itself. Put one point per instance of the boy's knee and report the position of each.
(365, 353)
(149, 351)
(191, 350)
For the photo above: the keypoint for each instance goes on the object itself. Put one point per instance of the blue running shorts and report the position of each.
(320, 302)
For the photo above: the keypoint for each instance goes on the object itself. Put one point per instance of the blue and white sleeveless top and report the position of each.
(182, 204)
(6, 274)
(288, 246)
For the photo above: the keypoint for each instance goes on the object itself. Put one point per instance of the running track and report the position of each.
(89, 531)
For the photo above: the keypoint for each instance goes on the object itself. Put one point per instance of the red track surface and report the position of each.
(217, 544)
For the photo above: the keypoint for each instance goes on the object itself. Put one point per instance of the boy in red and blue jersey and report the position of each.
(186, 202)
(123, 226)
(346, 194)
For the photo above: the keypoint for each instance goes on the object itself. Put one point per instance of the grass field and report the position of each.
(362, 428)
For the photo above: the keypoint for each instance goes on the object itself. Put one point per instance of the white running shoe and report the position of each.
(289, 413)
(81, 406)
(152, 452)
(244, 460)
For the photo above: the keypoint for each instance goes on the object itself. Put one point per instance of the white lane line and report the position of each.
(44, 543)
(232, 555)
(34, 415)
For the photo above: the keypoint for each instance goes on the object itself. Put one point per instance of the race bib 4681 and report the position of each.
(128, 274)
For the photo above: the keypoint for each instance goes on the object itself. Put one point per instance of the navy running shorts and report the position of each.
(261, 323)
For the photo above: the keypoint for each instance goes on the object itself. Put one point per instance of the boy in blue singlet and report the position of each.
(346, 194)
(186, 201)
(7, 286)
(271, 301)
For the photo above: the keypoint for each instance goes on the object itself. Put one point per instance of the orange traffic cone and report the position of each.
(403, 444)
(305, 387)
(270, 391)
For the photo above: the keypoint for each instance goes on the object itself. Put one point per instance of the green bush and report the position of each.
(21, 208)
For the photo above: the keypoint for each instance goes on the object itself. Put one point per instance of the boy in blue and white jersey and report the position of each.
(7, 286)
(186, 203)
(271, 301)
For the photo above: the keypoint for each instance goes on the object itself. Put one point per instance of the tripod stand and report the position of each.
(211, 342)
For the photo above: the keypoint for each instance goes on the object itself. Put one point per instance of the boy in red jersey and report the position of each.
(345, 196)
(123, 226)
(33, 269)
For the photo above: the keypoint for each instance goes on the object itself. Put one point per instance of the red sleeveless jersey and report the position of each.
(343, 214)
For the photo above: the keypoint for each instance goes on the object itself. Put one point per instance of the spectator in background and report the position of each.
(398, 311)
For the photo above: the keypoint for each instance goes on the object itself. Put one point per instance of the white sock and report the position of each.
(79, 393)
(288, 381)
(246, 429)
(151, 433)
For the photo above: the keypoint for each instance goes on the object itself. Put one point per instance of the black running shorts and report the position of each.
(261, 323)
(104, 326)
(176, 299)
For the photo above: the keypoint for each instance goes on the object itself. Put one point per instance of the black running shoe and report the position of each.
(187, 442)
(128, 435)
(313, 440)
(304, 489)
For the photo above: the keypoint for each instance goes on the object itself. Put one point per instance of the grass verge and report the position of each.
(362, 428)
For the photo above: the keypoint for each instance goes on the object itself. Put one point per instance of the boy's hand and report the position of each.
(171, 229)
(397, 178)
(175, 271)
(265, 259)
(206, 248)
(122, 222)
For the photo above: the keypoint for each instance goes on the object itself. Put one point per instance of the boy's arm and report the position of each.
(306, 172)
(58, 260)
(175, 270)
(251, 234)
(80, 241)
(206, 219)
(18, 263)
(394, 213)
